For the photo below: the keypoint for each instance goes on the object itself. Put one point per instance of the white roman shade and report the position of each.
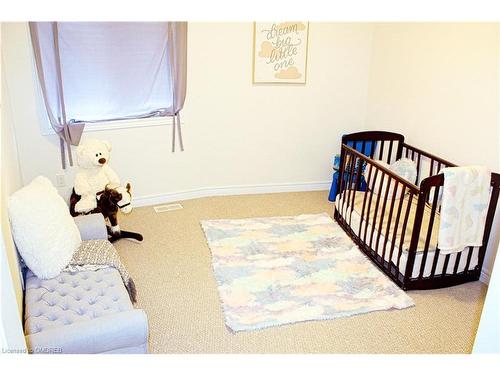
(104, 71)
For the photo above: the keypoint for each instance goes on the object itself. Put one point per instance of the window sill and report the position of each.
(121, 124)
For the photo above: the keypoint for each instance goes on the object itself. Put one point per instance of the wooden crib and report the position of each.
(398, 229)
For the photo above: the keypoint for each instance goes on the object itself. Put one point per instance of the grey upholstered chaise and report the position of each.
(83, 312)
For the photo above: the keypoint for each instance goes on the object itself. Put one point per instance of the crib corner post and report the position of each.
(399, 151)
(489, 219)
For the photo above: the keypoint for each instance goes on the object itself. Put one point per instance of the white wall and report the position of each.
(11, 332)
(438, 85)
(236, 133)
(488, 332)
(11, 181)
(11, 176)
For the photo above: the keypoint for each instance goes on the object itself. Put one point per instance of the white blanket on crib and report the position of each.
(466, 193)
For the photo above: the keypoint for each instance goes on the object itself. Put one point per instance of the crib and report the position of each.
(397, 228)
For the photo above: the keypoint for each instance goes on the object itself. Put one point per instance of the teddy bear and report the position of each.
(94, 173)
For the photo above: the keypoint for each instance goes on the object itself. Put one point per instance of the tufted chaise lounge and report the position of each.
(85, 311)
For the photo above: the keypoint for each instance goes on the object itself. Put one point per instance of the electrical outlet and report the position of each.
(60, 180)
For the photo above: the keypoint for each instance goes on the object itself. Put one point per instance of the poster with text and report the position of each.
(280, 52)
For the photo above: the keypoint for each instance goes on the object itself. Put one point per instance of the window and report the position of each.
(94, 72)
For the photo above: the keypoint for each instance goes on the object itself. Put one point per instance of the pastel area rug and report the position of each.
(278, 270)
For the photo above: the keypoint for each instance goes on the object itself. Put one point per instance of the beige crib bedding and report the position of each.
(358, 207)
(469, 256)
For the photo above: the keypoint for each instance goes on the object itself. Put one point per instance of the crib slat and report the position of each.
(457, 262)
(399, 149)
(359, 174)
(429, 231)
(389, 221)
(405, 223)
(469, 257)
(390, 152)
(344, 157)
(356, 187)
(396, 225)
(372, 151)
(347, 196)
(382, 214)
(434, 262)
(347, 192)
(445, 265)
(364, 202)
(381, 154)
(341, 182)
(370, 204)
(376, 210)
(418, 169)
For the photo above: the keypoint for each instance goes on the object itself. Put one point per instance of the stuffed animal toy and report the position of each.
(94, 173)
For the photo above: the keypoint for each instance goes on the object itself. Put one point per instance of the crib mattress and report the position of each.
(353, 217)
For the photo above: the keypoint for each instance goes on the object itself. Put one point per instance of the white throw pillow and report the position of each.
(405, 168)
(45, 234)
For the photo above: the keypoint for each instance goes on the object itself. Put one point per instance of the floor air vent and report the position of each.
(168, 207)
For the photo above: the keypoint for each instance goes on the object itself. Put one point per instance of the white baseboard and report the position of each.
(150, 200)
(485, 277)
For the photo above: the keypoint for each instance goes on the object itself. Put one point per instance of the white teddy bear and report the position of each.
(94, 173)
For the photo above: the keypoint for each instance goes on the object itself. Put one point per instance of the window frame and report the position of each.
(47, 130)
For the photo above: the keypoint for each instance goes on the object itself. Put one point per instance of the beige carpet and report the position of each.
(173, 274)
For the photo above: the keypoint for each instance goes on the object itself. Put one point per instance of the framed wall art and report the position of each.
(280, 52)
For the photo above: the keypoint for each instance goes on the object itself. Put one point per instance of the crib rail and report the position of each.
(387, 146)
